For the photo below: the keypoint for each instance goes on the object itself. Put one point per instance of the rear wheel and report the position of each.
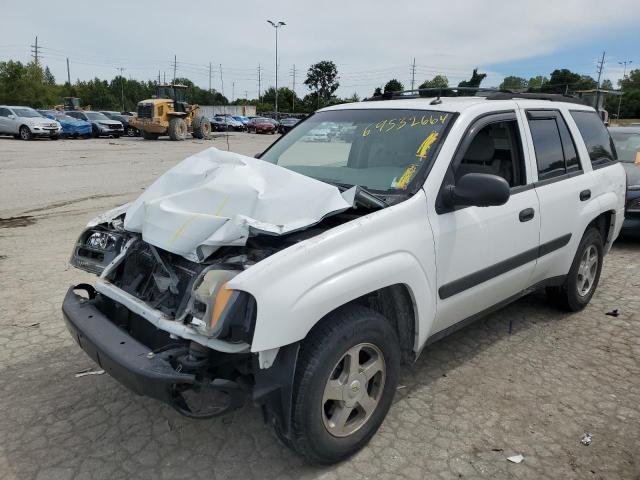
(582, 280)
(25, 133)
(131, 132)
(345, 382)
(149, 135)
(201, 127)
(177, 129)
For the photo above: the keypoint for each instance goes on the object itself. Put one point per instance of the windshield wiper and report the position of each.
(362, 196)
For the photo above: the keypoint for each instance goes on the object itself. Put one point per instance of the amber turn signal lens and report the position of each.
(222, 298)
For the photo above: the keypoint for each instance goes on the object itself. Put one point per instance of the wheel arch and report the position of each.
(605, 224)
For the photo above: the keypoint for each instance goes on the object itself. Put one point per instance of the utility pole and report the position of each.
(209, 77)
(122, 86)
(233, 91)
(35, 51)
(175, 67)
(600, 68)
(68, 72)
(276, 26)
(259, 78)
(221, 81)
(413, 74)
(624, 76)
(293, 98)
(158, 77)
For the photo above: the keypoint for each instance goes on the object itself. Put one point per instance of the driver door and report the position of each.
(486, 255)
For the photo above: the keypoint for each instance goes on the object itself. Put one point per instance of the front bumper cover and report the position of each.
(133, 364)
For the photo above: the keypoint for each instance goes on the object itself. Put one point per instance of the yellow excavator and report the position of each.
(70, 103)
(168, 113)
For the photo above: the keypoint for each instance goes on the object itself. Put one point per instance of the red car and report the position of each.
(261, 125)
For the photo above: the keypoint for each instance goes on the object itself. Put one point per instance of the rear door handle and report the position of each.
(527, 214)
(585, 195)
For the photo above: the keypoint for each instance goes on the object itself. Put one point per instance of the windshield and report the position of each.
(26, 112)
(96, 116)
(627, 145)
(66, 118)
(377, 149)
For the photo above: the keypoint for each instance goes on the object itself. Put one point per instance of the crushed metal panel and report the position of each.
(217, 198)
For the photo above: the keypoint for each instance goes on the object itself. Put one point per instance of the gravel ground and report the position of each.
(527, 380)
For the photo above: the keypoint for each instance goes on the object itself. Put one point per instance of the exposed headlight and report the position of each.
(96, 248)
(218, 311)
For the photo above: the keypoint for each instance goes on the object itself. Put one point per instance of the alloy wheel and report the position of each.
(587, 270)
(353, 390)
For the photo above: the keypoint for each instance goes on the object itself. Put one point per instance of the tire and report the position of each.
(130, 132)
(95, 133)
(584, 275)
(325, 356)
(201, 127)
(149, 135)
(25, 133)
(177, 129)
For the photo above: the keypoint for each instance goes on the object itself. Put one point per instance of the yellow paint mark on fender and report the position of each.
(426, 145)
(406, 177)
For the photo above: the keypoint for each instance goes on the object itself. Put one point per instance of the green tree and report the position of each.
(565, 81)
(322, 78)
(377, 92)
(439, 81)
(513, 83)
(536, 83)
(630, 101)
(286, 96)
(606, 84)
(475, 80)
(393, 85)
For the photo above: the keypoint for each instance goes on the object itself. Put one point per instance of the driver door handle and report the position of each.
(527, 214)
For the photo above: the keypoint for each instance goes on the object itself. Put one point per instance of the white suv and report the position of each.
(304, 280)
(26, 123)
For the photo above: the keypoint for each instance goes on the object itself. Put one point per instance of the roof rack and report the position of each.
(552, 97)
(490, 94)
(436, 91)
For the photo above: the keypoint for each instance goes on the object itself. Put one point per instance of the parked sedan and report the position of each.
(261, 125)
(226, 123)
(627, 142)
(129, 130)
(26, 123)
(71, 127)
(102, 126)
(287, 124)
(241, 119)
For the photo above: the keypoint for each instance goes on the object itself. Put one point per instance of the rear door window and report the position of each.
(554, 147)
(596, 137)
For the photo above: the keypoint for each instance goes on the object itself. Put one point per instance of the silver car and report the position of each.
(26, 123)
(102, 126)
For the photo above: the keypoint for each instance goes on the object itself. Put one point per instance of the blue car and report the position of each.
(71, 127)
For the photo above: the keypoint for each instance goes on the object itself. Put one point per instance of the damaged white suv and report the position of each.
(304, 279)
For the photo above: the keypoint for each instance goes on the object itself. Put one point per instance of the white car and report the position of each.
(302, 281)
(26, 123)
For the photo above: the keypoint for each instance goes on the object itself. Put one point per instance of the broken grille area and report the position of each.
(160, 279)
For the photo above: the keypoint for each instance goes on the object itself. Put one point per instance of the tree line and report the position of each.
(31, 84)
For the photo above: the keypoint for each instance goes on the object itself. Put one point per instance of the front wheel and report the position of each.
(25, 133)
(344, 385)
(177, 129)
(583, 277)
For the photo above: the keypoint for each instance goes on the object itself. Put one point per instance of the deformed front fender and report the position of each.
(298, 286)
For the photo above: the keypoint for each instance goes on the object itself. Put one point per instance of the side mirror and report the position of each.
(478, 190)
(12, 116)
(257, 155)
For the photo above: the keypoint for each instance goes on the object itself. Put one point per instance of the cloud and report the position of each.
(371, 41)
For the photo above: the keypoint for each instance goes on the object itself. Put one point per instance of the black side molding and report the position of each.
(457, 286)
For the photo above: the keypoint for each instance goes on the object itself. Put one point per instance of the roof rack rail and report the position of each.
(436, 91)
(552, 97)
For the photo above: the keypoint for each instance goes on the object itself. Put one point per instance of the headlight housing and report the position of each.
(218, 311)
(96, 248)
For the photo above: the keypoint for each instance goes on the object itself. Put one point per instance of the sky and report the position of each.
(370, 41)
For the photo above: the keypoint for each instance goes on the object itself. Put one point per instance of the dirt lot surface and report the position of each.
(526, 380)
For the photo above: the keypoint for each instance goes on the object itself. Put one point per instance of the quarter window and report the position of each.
(595, 136)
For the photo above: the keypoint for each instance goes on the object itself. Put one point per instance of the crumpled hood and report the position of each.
(217, 198)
